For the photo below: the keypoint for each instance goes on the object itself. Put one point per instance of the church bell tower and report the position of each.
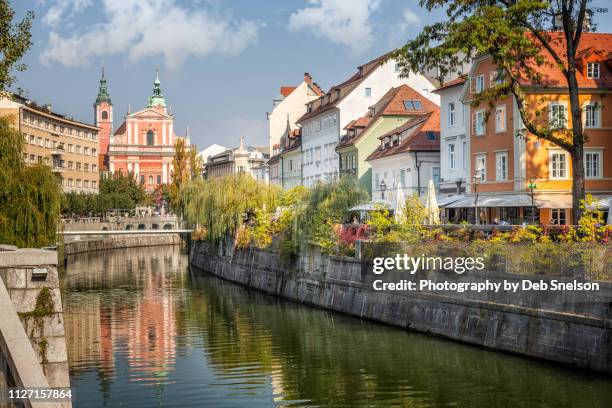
(103, 118)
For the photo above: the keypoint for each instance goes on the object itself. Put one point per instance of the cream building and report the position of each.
(289, 106)
(242, 159)
(69, 147)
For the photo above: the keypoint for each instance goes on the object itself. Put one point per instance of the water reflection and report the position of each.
(142, 333)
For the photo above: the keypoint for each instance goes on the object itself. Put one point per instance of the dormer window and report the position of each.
(337, 93)
(593, 70)
(412, 105)
(430, 135)
(387, 141)
(372, 112)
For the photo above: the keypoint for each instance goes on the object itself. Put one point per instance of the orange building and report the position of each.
(502, 166)
(143, 145)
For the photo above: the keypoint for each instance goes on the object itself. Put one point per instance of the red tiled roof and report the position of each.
(392, 104)
(286, 90)
(418, 131)
(591, 48)
(331, 99)
(455, 82)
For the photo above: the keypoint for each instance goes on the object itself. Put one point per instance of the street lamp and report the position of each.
(383, 187)
(532, 186)
(476, 178)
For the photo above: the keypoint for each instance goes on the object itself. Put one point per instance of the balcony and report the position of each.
(58, 150)
(58, 168)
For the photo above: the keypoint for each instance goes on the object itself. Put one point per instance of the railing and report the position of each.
(126, 232)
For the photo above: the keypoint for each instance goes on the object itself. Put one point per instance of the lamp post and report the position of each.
(532, 186)
(383, 187)
(476, 178)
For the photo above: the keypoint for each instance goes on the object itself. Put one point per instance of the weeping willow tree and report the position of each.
(30, 197)
(324, 206)
(221, 205)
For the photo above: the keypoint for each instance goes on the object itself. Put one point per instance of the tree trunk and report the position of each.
(578, 190)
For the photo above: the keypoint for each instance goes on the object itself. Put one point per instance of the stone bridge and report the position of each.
(123, 224)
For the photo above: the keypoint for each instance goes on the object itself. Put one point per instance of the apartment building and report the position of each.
(69, 147)
(507, 171)
(323, 124)
(242, 159)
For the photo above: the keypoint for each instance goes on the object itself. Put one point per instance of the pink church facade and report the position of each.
(143, 145)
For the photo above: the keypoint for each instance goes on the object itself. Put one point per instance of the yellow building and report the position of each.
(69, 147)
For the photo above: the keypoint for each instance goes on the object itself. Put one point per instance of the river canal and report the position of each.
(144, 332)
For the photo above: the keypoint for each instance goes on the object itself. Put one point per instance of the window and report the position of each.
(451, 114)
(142, 179)
(481, 166)
(478, 123)
(501, 166)
(451, 156)
(150, 142)
(104, 115)
(78, 149)
(558, 114)
(592, 164)
(317, 125)
(159, 179)
(151, 178)
(317, 153)
(403, 177)
(40, 141)
(86, 183)
(593, 70)
(397, 67)
(86, 166)
(464, 155)
(412, 104)
(86, 151)
(558, 216)
(70, 148)
(592, 115)
(290, 165)
(497, 77)
(94, 184)
(94, 167)
(558, 165)
(78, 165)
(94, 151)
(32, 139)
(480, 84)
(368, 92)
(500, 119)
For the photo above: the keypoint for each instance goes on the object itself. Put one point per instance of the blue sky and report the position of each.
(221, 61)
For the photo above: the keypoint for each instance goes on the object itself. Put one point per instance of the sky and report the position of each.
(221, 62)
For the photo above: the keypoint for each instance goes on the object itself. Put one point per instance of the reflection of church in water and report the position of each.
(142, 326)
(144, 144)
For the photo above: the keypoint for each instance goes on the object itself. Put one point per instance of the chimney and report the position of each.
(307, 78)
(48, 107)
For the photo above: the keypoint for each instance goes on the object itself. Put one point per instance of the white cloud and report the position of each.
(60, 10)
(410, 17)
(150, 28)
(345, 22)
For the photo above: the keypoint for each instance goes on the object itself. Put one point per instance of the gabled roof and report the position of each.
(286, 90)
(420, 134)
(451, 84)
(592, 47)
(338, 92)
(396, 102)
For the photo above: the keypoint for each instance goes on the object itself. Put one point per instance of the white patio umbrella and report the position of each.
(400, 203)
(431, 204)
(610, 211)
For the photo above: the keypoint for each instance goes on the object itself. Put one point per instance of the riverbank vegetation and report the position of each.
(116, 191)
(255, 214)
(30, 196)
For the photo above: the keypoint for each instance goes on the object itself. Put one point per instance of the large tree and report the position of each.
(517, 35)
(15, 40)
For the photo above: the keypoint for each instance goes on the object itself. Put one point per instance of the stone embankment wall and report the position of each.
(124, 241)
(32, 336)
(564, 327)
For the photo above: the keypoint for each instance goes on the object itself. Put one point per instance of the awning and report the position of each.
(444, 201)
(371, 206)
(514, 200)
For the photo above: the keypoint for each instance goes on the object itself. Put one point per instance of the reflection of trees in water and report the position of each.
(136, 317)
(334, 359)
(152, 313)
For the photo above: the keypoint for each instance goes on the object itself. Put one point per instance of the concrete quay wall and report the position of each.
(560, 327)
(116, 242)
(33, 350)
